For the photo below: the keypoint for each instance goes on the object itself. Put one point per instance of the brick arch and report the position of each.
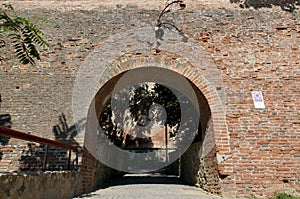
(131, 50)
(173, 62)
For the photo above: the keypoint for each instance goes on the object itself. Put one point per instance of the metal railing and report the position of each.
(47, 142)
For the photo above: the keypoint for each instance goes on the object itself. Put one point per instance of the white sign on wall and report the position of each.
(258, 99)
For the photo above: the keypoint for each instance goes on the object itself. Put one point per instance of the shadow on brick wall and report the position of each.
(33, 156)
(286, 5)
(5, 121)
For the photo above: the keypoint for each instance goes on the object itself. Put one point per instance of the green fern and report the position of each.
(25, 36)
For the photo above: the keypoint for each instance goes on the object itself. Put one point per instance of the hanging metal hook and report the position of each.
(182, 6)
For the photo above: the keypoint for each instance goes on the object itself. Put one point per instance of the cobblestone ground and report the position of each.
(150, 186)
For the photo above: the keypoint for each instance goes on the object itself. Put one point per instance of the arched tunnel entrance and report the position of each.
(194, 163)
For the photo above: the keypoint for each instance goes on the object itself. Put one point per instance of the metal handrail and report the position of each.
(33, 138)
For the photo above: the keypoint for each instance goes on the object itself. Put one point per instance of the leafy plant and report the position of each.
(24, 35)
(285, 196)
(145, 102)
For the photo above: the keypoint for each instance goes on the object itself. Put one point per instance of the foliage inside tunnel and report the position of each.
(148, 103)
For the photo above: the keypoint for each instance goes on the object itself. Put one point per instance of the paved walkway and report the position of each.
(148, 186)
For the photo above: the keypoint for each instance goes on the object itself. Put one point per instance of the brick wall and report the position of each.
(95, 173)
(244, 50)
(30, 156)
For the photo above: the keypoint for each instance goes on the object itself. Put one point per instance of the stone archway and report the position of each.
(132, 50)
(207, 171)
